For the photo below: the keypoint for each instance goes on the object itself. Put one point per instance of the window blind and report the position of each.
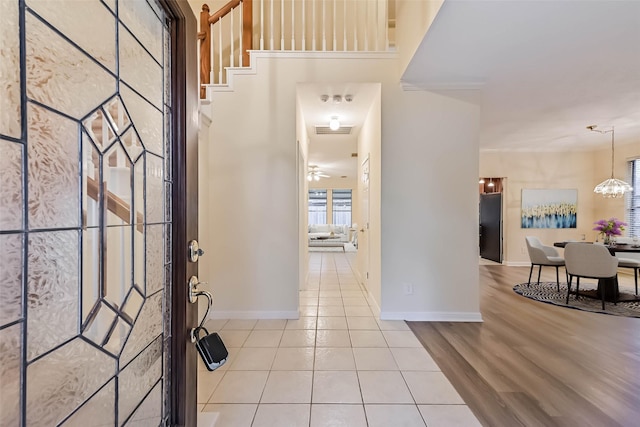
(633, 200)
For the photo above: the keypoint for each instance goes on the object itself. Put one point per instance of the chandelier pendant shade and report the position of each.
(612, 187)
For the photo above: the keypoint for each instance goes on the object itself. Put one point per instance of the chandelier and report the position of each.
(611, 187)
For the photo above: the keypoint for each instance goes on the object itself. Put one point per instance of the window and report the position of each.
(633, 201)
(341, 207)
(317, 206)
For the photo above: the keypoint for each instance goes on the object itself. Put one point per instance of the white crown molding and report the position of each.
(432, 316)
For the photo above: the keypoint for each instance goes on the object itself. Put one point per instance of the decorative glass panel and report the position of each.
(97, 411)
(10, 353)
(10, 121)
(155, 190)
(138, 257)
(148, 326)
(91, 264)
(117, 275)
(167, 146)
(147, 120)
(117, 115)
(99, 323)
(155, 258)
(132, 305)
(91, 193)
(138, 69)
(52, 285)
(96, 35)
(144, 24)
(11, 188)
(53, 170)
(138, 378)
(10, 278)
(148, 413)
(57, 72)
(118, 336)
(117, 175)
(62, 380)
(132, 143)
(99, 129)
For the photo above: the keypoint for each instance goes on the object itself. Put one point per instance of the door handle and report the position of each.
(194, 251)
(193, 289)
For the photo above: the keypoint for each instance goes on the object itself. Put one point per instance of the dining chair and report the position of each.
(591, 262)
(625, 260)
(542, 255)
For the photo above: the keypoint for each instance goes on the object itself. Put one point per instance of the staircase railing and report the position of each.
(227, 36)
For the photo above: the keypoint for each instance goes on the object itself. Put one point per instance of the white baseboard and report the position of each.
(373, 304)
(517, 263)
(432, 316)
(232, 314)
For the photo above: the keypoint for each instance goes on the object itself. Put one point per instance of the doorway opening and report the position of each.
(490, 227)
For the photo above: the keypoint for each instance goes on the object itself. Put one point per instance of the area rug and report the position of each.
(548, 292)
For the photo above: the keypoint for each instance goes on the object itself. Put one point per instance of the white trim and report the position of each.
(232, 314)
(373, 304)
(432, 316)
(517, 263)
(406, 86)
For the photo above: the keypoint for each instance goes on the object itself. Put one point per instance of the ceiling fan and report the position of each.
(314, 174)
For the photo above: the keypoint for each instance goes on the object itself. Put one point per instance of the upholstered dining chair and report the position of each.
(589, 261)
(625, 260)
(541, 255)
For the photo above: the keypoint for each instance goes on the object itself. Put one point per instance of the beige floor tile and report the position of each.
(330, 310)
(330, 294)
(298, 338)
(240, 387)
(447, 416)
(431, 388)
(207, 383)
(302, 323)
(367, 339)
(253, 359)
(215, 324)
(393, 325)
(394, 415)
(332, 322)
(233, 338)
(336, 387)
(200, 407)
(332, 338)
(355, 301)
(308, 310)
(239, 324)
(294, 359)
(330, 301)
(325, 415)
(384, 387)
(363, 323)
(334, 359)
(309, 301)
(353, 310)
(414, 359)
(278, 324)
(288, 387)
(352, 294)
(401, 339)
(264, 338)
(232, 415)
(309, 294)
(374, 359)
(282, 415)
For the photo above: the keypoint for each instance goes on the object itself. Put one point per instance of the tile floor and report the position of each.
(337, 365)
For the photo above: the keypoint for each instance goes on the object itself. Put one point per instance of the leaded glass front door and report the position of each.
(85, 212)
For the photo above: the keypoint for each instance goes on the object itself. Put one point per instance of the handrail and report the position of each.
(115, 204)
(204, 35)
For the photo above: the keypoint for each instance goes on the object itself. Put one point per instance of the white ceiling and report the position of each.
(546, 69)
(332, 153)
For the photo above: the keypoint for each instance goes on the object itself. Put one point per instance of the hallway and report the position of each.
(335, 366)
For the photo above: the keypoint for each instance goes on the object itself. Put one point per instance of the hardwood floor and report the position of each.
(535, 364)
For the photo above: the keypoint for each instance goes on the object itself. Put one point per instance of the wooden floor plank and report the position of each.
(535, 364)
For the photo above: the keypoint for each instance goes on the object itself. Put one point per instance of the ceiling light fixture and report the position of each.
(611, 187)
(334, 124)
(481, 181)
(490, 184)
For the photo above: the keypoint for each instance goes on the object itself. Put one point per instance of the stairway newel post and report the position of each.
(205, 50)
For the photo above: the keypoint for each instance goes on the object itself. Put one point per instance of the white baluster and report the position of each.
(220, 50)
(282, 25)
(293, 27)
(355, 27)
(233, 37)
(324, 25)
(212, 57)
(271, 26)
(366, 25)
(261, 24)
(241, 32)
(344, 25)
(304, 19)
(335, 43)
(386, 26)
(313, 24)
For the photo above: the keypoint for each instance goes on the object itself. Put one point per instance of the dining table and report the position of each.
(609, 286)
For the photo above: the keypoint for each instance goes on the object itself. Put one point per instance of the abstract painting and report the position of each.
(543, 208)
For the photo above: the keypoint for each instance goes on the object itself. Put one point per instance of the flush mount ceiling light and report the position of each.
(334, 123)
(611, 187)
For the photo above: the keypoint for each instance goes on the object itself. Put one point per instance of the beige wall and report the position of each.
(413, 18)
(579, 170)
